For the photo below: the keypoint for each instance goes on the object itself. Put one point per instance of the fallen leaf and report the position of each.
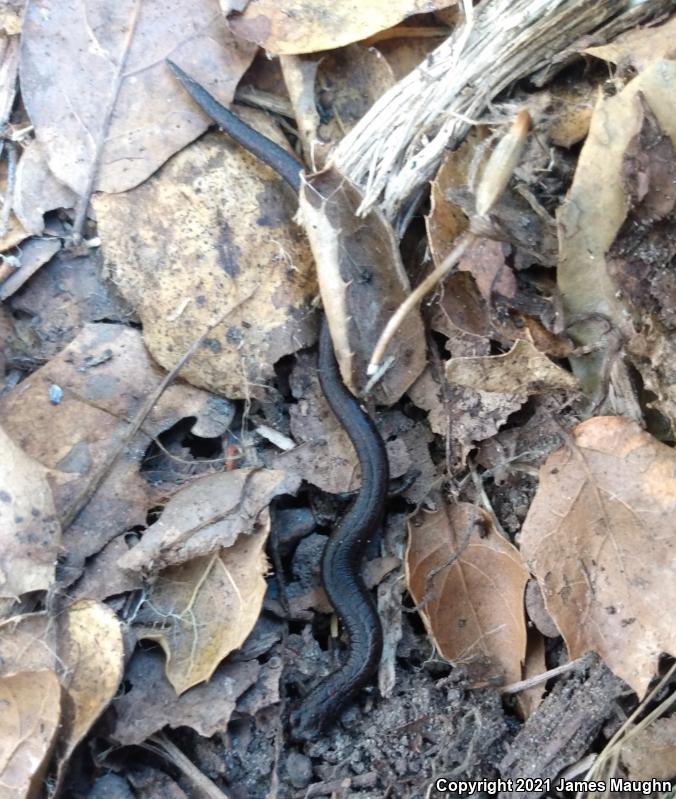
(151, 703)
(299, 28)
(214, 239)
(29, 723)
(650, 753)
(469, 583)
(209, 513)
(362, 281)
(33, 255)
(599, 538)
(206, 608)
(639, 47)
(111, 112)
(37, 190)
(524, 370)
(534, 664)
(30, 534)
(105, 375)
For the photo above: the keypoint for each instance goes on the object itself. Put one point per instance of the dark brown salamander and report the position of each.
(344, 552)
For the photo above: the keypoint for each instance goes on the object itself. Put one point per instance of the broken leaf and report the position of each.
(105, 375)
(469, 582)
(599, 537)
(30, 534)
(524, 370)
(297, 27)
(29, 722)
(104, 104)
(209, 513)
(213, 241)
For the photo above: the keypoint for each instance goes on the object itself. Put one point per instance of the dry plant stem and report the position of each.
(174, 755)
(531, 682)
(411, 302)
(398, 145)
(99, 474)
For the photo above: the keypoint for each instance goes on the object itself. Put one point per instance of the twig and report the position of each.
(524, 685)
(200, 780)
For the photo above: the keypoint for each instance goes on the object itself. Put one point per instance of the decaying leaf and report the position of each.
(30, 533)
(206, 608)
(104, 104)
(297, 27)
(29, 722)
(105, 375)
(84, 647)
(599, 537)
(151, 703)
(214, 241)
(524, 370)
(34, 253)
(650, 753)
(209, 513)
(362, 282)
(469, 583)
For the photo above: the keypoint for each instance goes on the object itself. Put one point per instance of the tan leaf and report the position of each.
(534, 664)
(639, 47)
(105, 375)
(599, 538)
(650, 753)
(213, 236)
(111, 112)
(84, 647)
(209, 513)
(207, 608)
(470, 584)
(362, 282)
(30, 533)
(524, 370)
(296, 27)
(29, 722)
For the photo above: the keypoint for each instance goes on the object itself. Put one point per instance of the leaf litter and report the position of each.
(161, 400)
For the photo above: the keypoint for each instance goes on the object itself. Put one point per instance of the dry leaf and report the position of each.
(206, 608)
(639, 47)
(469, 582)
(528, 701)
(650, 753)
(30, 533)
(34, 253)
(151, 703)
(362, 282)
(29, 722)
(297, 27)
(599, 538)
(110, 112)
(524, 370)
(106, 375)
(209, 513)
(214, 239)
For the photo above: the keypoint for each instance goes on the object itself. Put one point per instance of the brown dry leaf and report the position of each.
(639, 47)
(470, 584)
(205, 608)
(463, 416)
(524, 370)
(31, 711)
(534, 664)
(111, 112)
(599, 538)
(213, 238)
(650, 753)
(151, 703)
(84, 647)
(30, 533)
(105, 375)
(362, 282)
(37, 190)
(299, 27)
(210, 512)
(596, 206)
